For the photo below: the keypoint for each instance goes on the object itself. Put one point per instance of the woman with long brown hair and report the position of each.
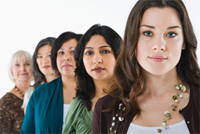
(157, 74)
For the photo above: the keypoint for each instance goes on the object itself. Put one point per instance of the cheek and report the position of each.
(87, 65)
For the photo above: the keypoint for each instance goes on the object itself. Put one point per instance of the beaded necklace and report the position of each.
(18, 91)
(179, 87)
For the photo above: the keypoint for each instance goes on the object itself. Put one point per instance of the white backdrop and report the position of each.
(24, 23)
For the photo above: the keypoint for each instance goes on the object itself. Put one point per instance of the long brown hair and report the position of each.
(128, 73)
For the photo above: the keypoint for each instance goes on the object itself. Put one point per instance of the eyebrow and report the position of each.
(171, 27)
(93, 48)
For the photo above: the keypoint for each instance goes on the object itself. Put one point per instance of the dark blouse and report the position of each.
(102, 121)
(11, 114)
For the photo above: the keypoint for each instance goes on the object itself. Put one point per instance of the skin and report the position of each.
(21, 71)
(99, 62)
(44, 62)
(158, 51)
(66, 66)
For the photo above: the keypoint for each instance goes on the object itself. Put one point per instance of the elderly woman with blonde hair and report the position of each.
(11, 113)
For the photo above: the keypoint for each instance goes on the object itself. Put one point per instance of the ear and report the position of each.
(183, 46)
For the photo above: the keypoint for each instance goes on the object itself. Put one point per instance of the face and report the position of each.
(21, 71)
(65, 58)
(44, 60)
(98, 58)
(160, 40)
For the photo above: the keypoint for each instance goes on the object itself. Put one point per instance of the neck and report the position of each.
(51, 77)
(23, 86)
(158, 85)
(68, 83)
(100, 86)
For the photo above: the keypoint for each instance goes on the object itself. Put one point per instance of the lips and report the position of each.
(24, 74)
(45, 67)
(98, 69)
(67, 66)
(158, 58)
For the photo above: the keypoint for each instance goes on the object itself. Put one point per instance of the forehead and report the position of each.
(166, 16)
(70, 44)
(44, 48)
(97, 41)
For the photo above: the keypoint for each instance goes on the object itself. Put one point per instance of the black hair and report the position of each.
(59, 42)
(85, 90)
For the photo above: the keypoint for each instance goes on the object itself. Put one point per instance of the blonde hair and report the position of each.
(16, 57)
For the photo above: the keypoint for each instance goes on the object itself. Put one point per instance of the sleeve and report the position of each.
(70, 120)
(28, 125)
(96, 120)
(5, 120)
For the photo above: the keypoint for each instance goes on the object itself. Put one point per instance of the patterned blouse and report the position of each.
(11, 114)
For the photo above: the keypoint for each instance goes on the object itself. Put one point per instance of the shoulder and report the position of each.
(7, 98)
(76, 105)
(195, 93)
(103, 102)
(46, 86)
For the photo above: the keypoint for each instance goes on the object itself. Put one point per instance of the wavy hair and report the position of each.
(128, 73)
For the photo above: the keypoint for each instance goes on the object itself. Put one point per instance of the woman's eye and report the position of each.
(88, 53)
(72, 52)
(16, 65)
(148, 33)
(27, 64)
(61, 53)
(171, 34)
(105, 51)
(39, 56)
(49, 55)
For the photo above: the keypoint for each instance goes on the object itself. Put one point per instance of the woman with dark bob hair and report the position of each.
(50, 101)
(41, 67)
(95, 57)
(157, 75)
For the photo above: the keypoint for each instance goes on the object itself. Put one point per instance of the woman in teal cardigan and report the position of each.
(95, 57)
(45, 110)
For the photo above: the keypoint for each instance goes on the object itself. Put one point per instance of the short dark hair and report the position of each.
(59, 42)
(37, 74)
(85, 86)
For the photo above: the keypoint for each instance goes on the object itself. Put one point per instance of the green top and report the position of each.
(78, 119)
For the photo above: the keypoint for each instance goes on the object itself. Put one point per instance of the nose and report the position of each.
(66, 57)
(45, 59)
(159, 44)
(97, 59)
(22, 67)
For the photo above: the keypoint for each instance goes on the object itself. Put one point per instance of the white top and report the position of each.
(27, 96)
(179, 128)
(65, 110)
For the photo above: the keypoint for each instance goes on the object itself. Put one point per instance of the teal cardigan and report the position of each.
(78, 119)
(44, 113)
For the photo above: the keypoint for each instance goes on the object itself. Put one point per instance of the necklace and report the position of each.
(96, 96)
(21, 94)
(179, 87)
